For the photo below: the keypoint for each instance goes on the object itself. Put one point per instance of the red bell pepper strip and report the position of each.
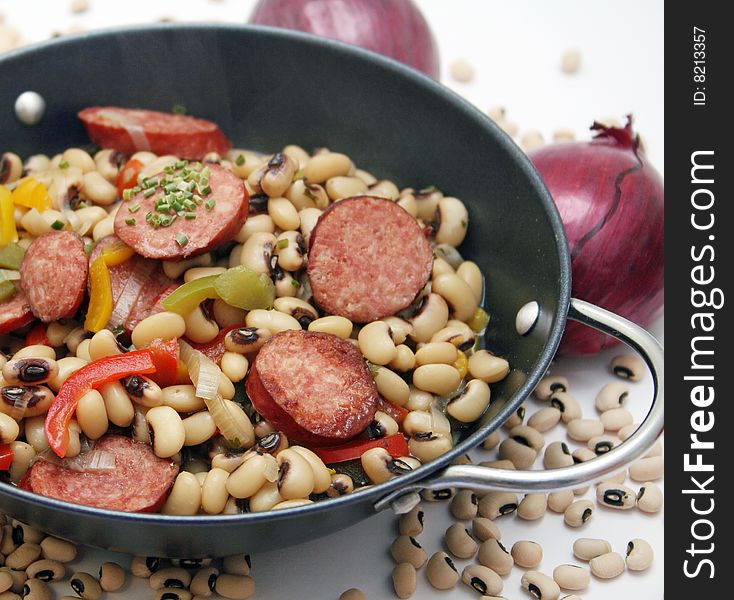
(165, 358)
(37, 335)
(394, 444)
(396, 412)
(93, 375)
(128, 176)
(6, 457)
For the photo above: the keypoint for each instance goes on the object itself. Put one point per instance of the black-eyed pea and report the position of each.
(382, 425)
(614, 495)
(272, 320)
(582, 430)
(488, 367)
(257, 251)
(441, 571)
(650, 498)
(492, 440)
(214, 494)
(170, 577)
(200, 327)
(19, 578)
(459, 541)
(482, 579)
(29, 370)
(299, 309)
(544, 419)
(494, 555)
(516, 418)
(333, 324)
(67, 366)
(588, 548)
(471, 403)
(7, 543)
(464, 505)
(411, 523)
(172, 594)
(34, 351)
(485, 529)
(567, 404)
(427, 445)
(86, 586)
(9, 428)
(144, 566)
(185, 496)
(204, 582)
(169, 433)
(527, 554)
(309, 217)
(607, 566)
(36, 589)
(612, 395)
(376, 344)
(440, 266)
(265, 498)
(322, 167)
(557, 455)
(497, 504)
(46, 570)
(406, 549)
(578, 513)
(457, 294)
(55, 549)
(25, 554)
(647, 469)
(142, 390)
(384, 188)
(418, 400)
(36, 398)
(226, 315)
(431, 317)
(352, 594)
(453, 219)
(380, 466)
(549, 385)
(252, 474)
(391, 386)
(601, 444)
(295, 475)
(404, 579)
(404, 360)
(237, 564)
(540, 586)
(198, 427)
(532, 507)
(119, 408)
(11, 168)
(616, 418)
(439, 495)
(469, 271)
(321, 475)
(23, 454)
(165, 325)
(571, 577)
(341, 187)
(22, 533)
(97, 189)
(520, 455)
(111, 576)
(436, 353)
(627, 431)
(6, 580)
(527, 436)
(639, 555)
(439, 379)
(628, 366)
(182, 398)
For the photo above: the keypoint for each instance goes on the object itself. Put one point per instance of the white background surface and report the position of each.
(516, 48)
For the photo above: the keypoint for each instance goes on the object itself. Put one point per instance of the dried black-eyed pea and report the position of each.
(23, 532)
(22, 556)
(407, 549)
(639, 555)
(492, 440)
(527, 554)
(494, 555)
(438, 495)
(485, 529)
(571, 577)
(86, 586)
(462, 459)
(588, 548)
(628, 366)
(557, 455)
(544, 419)
(237, 564)
(459, 541)
(353, 594)
(582, 430)
(616, 419)
(627, 431)
(540, 586)
(559, 501)
(515, 418)
(144, 566)
(441, 571)
(528, 436)
(613, 495)
(482, 579)
(532, 506)
(581, 455)
(567, 404)
(520, 455)
(19, 578)
(35, 589)
(46, 570)
(235, 587)
(607, 566)
(7, 544)
(204, 581)
(6, 580)
(572, 597)
(173, 594)
(578, 513)
(650, 498)
(341, 484)
(612, 395)
(111, 576)
(550, 385)
(601, 444)
(647, 469)
(404, 580)
(174, 577)
(464, 505)
(411, 523)
(497, 504)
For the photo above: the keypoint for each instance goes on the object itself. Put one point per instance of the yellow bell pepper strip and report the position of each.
(117, 253)
(31, 193)
(100, 296)
(91, 376)
(188, 296)
(8, 232)
(11, 256)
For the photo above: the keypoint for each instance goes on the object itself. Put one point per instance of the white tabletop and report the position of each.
(516, 49)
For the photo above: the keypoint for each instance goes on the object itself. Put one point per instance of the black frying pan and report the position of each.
(269, 87)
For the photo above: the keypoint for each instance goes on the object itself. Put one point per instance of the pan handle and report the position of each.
(482, 478)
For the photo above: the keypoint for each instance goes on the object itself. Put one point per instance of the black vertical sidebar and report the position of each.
(699, 182)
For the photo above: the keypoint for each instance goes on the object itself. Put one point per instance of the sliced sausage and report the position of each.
(15, 312)
(314, 387)
(211, 227)
(129, 130)
(53, 275)
(368, 258)
(139, 482)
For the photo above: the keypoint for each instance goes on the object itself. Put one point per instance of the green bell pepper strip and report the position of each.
(187, 297)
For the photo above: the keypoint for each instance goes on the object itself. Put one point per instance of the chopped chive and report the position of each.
(181, 164)
(283, 244)
(57, 225)
(178, 109)
(295, 283)
(205, 191)
(168, 169)
(134, 208)
(209, 204)
(136, 189)
(182, 240)
(189, 215)
(130, 221)
(240, 160)
(189, 205)
(127, 194)
(64, 164)
(149, 192)
(163, 208)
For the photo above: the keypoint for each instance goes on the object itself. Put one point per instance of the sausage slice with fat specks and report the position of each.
(139, 482)
(210, 229)
(314, 387)
(367, 259)
(129, 130)
(53, 275)
(15, 312)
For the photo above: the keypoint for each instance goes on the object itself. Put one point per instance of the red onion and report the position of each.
(611, 203)
(395, 28)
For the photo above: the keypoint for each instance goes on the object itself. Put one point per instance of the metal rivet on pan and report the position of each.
(29, 107)
(527, 317)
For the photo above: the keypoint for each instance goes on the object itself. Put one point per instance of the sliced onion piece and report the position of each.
(9, 275)
(130, 292)
(85, 462)
(204, 373)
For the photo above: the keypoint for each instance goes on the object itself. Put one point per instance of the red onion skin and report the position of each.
(394, 28)
(611, 203)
